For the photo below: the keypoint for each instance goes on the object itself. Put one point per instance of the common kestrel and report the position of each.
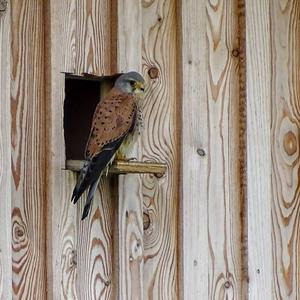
(113, 131)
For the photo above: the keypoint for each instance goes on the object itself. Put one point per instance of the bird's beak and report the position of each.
(140, 86)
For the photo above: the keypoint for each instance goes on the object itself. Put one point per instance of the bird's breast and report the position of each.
(128, 143)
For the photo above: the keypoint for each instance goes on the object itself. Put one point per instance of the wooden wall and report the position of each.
(28, 150)
(81, 266)
(5, 157)
(273, 148)
(221, 110)
(211, 151)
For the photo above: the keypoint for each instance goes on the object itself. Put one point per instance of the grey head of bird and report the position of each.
(131, 82)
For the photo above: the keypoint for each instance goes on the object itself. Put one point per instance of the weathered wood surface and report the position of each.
(242, 70)
(28, 152)
(93, 37)
(285, 131)
(189, 48)
(5, 159)
(223, 147)
(152, 273)
(129, 239)
(211, 200)
(80, 253)
(160, 142)
(259, 160)
(194, 239)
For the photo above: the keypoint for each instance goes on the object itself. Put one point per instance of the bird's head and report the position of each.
(131, 82)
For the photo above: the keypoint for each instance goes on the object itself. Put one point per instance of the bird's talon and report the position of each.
(130, 159)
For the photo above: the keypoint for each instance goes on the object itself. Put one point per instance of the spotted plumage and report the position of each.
(114, 128)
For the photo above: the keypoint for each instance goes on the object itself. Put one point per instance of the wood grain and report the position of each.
(241, 53)
(93, 37)
(285, 130)
(191, 54)
(129, 243)
(160, 142)
(61, 223)
(80, 253)
(223, 92)
(212, 251)
(28, 152)
(194, 239)
(258, 51)
(5, 159)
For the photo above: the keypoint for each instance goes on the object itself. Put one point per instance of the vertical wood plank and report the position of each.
(28, 150)
(94, 237)
(61, 229)
(258, 49)
(223, 149)
(151, 274)
(130, 223)
(81, 263)
(194, 239)
(285, 95)
(211, 195)
(160, 142)
(5, 159)
(93, 37)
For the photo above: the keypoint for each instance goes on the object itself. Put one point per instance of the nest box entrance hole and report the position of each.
(82, 94)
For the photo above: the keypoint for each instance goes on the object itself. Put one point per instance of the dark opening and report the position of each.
(82, 94)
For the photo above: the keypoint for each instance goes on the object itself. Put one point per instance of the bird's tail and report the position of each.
(89, 198)
(89, 177)
(82, 183)
(91, 173)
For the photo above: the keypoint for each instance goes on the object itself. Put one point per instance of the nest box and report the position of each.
(82, 94)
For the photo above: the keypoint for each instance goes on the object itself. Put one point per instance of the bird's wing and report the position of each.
(113, 118)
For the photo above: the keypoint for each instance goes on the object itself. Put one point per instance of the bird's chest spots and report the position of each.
(119, 121)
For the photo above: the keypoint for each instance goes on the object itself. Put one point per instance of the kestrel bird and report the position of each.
(114, 129)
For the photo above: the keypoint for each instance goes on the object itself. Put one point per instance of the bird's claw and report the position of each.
(128, 159)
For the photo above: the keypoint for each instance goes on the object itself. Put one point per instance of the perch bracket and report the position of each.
(125, 167)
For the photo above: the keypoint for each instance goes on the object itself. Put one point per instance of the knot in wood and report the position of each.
(19, 232)
(3, 6)
(74, 258)
(153, 72)
(290, 143)
(136, 252)
(201, 152)
(227, 284)
(107, 282)
(235, 52)
(146, 220)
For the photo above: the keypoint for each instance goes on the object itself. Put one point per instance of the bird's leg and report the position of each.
(120, 156)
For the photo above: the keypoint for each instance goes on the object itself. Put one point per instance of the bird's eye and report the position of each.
(132, 82)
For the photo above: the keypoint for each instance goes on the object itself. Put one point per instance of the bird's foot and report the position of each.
(124, 159)
(131, 159)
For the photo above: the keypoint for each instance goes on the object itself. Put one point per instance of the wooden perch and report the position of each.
(125, 167)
